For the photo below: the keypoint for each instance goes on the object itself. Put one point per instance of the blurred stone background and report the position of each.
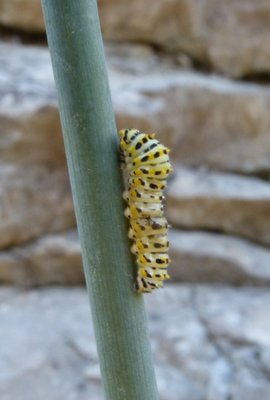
(197, 72)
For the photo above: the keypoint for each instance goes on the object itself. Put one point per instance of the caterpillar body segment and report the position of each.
(140, 210)
(155, 171)
(151, 155)
(144, 227)
(142, 196)
(152, 185)
(147, 166)
(157, 260)
(151, 244)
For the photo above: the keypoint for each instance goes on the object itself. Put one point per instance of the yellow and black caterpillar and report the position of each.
(147, 166)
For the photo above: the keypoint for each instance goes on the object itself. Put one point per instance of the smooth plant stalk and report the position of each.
(91, 147)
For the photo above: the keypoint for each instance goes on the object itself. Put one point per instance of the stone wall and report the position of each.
(218, 129)
(229, 36)
(197, 73)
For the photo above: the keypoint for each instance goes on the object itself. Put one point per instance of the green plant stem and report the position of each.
(92, 152)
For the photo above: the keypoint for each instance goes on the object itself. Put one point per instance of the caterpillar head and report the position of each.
(127, 136)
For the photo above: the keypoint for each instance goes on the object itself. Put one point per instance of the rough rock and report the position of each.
(34, 200)
(231, 36)
(52, 259)
(205, 120)
(204, 345)
(196, 257)
(200, 199)
(22, 14)
(35, 193)
(209, 257)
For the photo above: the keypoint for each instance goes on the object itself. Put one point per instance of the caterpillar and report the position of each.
(146, 167)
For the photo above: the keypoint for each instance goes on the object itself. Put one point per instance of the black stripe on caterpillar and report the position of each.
(146, 166)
